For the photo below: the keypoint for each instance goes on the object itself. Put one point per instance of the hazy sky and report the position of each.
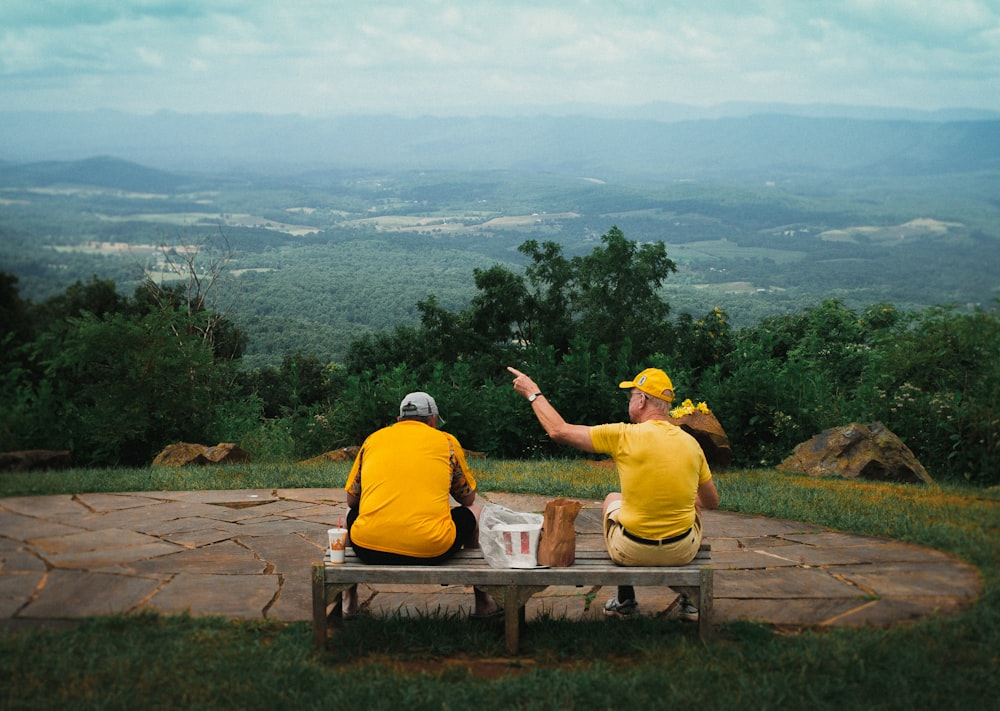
(321, 57)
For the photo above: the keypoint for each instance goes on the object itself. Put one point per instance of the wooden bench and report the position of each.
(510, 587)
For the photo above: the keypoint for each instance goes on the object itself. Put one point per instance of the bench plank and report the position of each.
(511, 587)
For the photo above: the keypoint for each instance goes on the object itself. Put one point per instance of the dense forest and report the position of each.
(124, 376)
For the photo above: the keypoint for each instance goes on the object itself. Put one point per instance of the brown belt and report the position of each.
(653, 542)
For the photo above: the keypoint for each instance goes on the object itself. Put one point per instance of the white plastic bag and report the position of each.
(509, 539)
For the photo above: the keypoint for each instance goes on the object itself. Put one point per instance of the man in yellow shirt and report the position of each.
(399, 511)
(665, 480)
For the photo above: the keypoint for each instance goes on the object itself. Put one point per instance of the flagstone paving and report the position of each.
(248, 554)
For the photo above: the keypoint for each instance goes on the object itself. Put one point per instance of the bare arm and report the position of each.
(552, 422)
(708, 496)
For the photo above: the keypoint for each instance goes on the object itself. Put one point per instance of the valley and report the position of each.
(313, 257)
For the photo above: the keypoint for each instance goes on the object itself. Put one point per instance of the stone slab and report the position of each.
(785, 612)
(284, 526)
(228, 497)
(19, 560)
(294, 601)
(241, 596)
(103, 539)
(831, 538)
(333, 496)
(734, 525)
(23, 528)
(226, 557)
(287, 555)
(69, 594)
(16, 591)
(902, 580)
(892, 610)
(199, 538)
(136, 518)
(273, 508)
(100, 503)
(59, 507)
(781, 583)
(111, 557)
(747, 559)
(187, 525)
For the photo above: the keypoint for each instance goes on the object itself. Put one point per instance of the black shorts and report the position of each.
(465, 529)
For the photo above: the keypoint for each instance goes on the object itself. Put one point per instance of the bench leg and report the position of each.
(513, 598)
(323, 594)
(319, 624)
(512, 620)
(705, 598)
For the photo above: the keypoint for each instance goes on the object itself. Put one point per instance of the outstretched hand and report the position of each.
(524, 385)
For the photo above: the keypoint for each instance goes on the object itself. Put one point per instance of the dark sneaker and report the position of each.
(686, 610)
(623, 610)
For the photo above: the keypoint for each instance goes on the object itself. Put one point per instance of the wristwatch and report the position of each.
(531, 398)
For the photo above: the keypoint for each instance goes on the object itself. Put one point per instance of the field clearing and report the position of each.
(730, 287)
(95, 192)
(459, 223)
(119, 248)
(412, 223)
(722, 249)
(527, 220)
(213, 218)
(920, 227)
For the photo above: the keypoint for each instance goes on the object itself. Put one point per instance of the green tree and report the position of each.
(607, 297)
(123, 387)
(934, 380)
(99, 297)
(617, 294)
(15, 314)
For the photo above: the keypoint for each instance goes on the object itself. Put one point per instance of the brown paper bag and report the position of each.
(557, 547)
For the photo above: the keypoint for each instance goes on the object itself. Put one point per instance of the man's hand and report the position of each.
(524, 385)
(555, 426)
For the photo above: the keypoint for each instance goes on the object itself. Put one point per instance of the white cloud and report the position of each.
(419, 55)
(149, 57)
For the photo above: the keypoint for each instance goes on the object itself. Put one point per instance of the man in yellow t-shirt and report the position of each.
(665, 480)
(399, 512)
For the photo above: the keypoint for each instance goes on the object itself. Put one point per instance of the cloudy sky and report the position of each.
(329, 57)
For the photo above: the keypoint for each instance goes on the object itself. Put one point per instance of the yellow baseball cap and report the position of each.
(654, 382)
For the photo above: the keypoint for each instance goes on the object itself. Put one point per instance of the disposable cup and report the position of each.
(338, 542)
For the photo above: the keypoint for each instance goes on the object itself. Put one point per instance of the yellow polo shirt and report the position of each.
(660, 467)
(403, 474)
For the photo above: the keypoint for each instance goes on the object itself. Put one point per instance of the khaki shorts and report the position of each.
(624, 551)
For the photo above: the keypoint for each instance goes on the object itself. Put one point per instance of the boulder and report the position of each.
(344, 454)
(865, 451)
(34, 459)
(184, 453)
(707, 429)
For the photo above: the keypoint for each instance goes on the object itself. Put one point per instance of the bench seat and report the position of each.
(510, 587)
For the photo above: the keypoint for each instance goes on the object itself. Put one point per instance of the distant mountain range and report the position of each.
(656, 141)
(103, 172)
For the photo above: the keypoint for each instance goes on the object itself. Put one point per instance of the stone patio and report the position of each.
(247, 554)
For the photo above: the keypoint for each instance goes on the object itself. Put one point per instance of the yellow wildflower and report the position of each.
(688, 408)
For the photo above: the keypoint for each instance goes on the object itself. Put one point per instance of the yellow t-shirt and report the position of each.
(660, 467)
(403, 474)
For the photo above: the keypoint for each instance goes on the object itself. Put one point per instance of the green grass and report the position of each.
(441, 661)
